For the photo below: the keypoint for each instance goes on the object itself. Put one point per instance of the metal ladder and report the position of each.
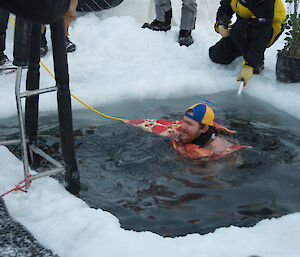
(27, 53)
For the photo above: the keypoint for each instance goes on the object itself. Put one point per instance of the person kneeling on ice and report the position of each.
(259, 24)
(198, 136)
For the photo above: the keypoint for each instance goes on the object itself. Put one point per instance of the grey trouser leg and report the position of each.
(161, 7)
(188, 14)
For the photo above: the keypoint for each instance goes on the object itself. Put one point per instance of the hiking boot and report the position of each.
(44, 47)
(4, 61)
(185, 38)
(6, 65)
(70, 46)
(158, 25)
(259, 68)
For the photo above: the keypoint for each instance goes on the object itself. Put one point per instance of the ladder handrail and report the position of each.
(46, 156)
(47, 173)
(28, 93)
(21, 122)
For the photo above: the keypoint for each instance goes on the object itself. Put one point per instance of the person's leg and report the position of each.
(188, 14)
(241, 37)
(163, 11)
(161, 8)
(44, 46)
(188, 20)
(224, 51)
(69, 16)
(3, 26)
(43, 28)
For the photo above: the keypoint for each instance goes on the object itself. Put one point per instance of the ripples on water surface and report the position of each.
(139, 178)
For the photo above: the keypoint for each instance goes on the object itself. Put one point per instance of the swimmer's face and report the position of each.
(190, 130)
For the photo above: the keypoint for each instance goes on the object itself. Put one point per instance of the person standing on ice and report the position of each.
(259, 24)
(163, 10)
(69, 16)
(4, 61)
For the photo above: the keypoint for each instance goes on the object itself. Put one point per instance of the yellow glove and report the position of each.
(245, 74)
(223, 31)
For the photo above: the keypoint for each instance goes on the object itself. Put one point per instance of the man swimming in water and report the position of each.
(199, 128)
(198, 136)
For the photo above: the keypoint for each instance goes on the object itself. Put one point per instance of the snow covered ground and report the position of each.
(117, 60)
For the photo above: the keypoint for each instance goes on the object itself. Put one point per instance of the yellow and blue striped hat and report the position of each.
(202, 113)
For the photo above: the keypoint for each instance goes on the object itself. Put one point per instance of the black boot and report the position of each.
(6, 65)
(44, 47)
(259, 68)
(185, 38)
(158, 25)
(70, 46)
(2, 41)
(4, 61)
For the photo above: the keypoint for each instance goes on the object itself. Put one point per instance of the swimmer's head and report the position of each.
(201, 113)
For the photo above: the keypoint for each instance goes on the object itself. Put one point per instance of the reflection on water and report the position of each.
(139, 178)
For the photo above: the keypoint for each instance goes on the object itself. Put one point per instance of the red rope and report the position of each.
(26, 182)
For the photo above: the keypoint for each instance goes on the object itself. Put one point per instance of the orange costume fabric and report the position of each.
(191, 151)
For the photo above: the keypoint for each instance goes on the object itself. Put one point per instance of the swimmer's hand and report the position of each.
(174, 136)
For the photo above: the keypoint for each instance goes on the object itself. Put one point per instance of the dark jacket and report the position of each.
(204, 138)
(266, 18)
(42, 11)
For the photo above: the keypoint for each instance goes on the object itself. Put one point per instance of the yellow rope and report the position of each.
(104, 115)
(12, 21)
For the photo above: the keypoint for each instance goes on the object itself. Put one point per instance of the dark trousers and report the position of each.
(237, 44)
(3, 26)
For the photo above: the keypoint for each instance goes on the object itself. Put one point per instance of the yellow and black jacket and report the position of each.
(265, 17)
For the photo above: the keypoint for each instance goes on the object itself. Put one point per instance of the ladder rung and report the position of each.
(10, 142)
(11, 67)
(28, 93)
(46, 156)
(47, 173)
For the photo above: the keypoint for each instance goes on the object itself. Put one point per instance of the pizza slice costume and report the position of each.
(201, 113)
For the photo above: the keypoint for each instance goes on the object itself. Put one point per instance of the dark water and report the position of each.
(139, 178)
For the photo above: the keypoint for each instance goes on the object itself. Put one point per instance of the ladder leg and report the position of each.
(21, 122)
(33, 83)
(21, 51)
(58, 38)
